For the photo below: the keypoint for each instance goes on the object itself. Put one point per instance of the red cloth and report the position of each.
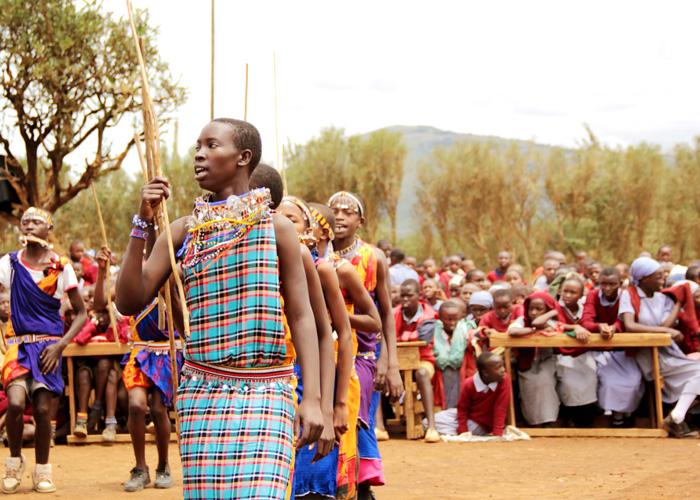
(494, 277)
(526, 355)
(594, 313)
(409, 333)
(488, 409)
(538, 272)
(687, 319)
(491, 320)
(91, 333)
(445, 278)
(89, 271)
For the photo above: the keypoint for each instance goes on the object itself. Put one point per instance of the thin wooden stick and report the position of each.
(142, 160)
(277, 137)
(151, 128)
(112, 319)
(158, 170)
(173, 351)
(245, 109)
(284, 173)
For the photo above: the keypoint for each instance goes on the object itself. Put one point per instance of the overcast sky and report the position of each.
(526, 70)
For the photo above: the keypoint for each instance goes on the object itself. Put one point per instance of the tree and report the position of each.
(320, 167)
(69, 74)
(378, 163)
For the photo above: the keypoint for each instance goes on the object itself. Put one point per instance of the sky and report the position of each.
(525, 70)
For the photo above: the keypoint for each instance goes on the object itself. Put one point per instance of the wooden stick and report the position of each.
(211, 105)
(277, 137)
(158, 170)
(245, 109)
(142, 160)
(112, 319)
(173, 351)
(284, 173)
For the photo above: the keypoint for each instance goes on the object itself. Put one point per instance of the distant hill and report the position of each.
(421, 140)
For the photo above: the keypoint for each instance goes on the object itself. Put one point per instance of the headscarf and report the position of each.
(481, 298)
(544, 297)
(643, 267)
(346, 197)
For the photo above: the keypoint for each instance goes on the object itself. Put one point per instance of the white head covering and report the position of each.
(497, 287)
(643, 267)
(481, 298)
(693, 286)
(457, 280)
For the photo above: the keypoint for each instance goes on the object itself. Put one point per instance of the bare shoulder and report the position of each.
(284, 229)
(381, 258)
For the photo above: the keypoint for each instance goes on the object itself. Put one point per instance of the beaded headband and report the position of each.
(322, 222)
(346, 194)
(34, 213)
(303, 207)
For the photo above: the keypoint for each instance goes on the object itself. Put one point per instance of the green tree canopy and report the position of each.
(69, 73)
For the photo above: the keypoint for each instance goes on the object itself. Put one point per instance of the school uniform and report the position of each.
(577, 380)
(681, 374)
(620, 384)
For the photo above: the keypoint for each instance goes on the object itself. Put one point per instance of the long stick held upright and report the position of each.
(112, 319)
(152, 132)
(245, 109)
(277, 137)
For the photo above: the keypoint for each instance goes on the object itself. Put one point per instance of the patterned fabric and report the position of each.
(235, 308)
(148, 367)
(34, 311)
(235, 435)
(235, 400)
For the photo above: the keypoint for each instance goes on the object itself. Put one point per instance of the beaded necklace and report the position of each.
(349, 252)
(217, 226)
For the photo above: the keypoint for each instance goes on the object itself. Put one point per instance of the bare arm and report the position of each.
(368, 319)
(137, 283)
(51, 355)
(387, 377)
(341, 323)
(326, 352)
(634, 327)
(301, 323)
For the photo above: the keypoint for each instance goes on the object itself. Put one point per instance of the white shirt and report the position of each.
(652, 310)
(416, 317)
(480, 386)
(605, 302)
(66, 280)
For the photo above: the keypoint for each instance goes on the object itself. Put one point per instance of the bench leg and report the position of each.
(71, 392)
(657, 388)
(511, 405)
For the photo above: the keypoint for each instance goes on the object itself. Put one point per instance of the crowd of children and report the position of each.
(290, 363)
(578, 386)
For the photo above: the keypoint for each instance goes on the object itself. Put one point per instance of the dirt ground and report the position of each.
(544, 468)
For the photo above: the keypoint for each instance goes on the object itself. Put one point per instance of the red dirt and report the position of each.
(544, 468)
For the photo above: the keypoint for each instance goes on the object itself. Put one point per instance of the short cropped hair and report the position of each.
(267, 176)
(245, 136)
(412, 283)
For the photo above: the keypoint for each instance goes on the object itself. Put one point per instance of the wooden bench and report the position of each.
(96, 349)
(412, 408)
(652, 340)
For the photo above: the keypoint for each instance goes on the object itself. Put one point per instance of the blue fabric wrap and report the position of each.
(34, 312)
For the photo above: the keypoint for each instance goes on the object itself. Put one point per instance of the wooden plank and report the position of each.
(595, 340)
(657, 389)
(96, 349)
(120, 438)
(509, 371)
(71, 393)
(409, 357)
(415, 343)
(593, 432)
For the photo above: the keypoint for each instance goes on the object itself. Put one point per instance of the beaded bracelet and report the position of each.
(136, 221)
(138, 233)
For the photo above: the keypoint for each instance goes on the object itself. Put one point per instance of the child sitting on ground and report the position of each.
(432, 294)
(519, 293)
(478, 278)
(500, 318)
(483, 401)
(466, 292)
